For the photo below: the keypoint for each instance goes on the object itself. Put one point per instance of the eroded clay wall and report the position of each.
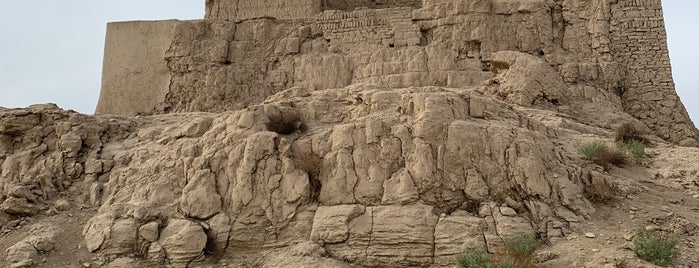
(135, 76)
(639, 43)
(350, 5)
(226, 62)
(249, 9)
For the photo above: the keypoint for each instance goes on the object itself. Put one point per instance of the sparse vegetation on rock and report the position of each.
(435, 125)
(600, 154)
(627, 132)
(600, 190)
(285, 123)
(520, 249)
(655, 247)
(518, 253)
(473, 258)
(593, 150)
(633, 148)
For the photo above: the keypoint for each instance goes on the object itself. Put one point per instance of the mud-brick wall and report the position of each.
(248, 9)
(390, 27)
(639, 44)
(353, 4)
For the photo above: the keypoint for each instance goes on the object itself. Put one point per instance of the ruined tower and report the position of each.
(245, 50)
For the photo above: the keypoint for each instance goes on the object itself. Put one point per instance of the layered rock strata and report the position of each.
(377, 176)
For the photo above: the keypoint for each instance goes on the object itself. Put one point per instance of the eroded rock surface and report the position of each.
(397, 176)
(397, 135)
(26, 253)
(247, 50)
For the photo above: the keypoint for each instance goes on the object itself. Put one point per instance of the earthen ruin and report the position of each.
(247, 50)
(354, 133)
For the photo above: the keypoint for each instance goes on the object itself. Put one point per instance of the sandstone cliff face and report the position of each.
(378, 177)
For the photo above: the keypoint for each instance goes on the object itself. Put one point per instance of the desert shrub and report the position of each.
(592, 150)
(284, 123)
(654, 247)
(611, 157)
(311, 163)
(507, 262)
(600, 190)
(627, 132)
(520, 249)
(620, 263)
(519, 253)
(600, 154)
(633, 148)
(473, 258)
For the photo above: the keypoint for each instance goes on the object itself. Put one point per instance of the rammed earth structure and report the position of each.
(246, 50)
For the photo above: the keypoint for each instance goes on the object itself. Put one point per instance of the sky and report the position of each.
(51, 51)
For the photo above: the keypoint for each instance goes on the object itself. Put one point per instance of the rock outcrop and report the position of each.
(26, 252)
(395, 135)
(401, 174)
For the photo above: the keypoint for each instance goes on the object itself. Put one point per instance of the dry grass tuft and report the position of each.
(285, 123)
(519, 253)
(611, 157)
(600, 190)
(627, 132)
(600, 154)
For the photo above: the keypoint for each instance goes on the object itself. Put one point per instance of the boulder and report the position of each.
(331, 224)
(41, 239)
(455, 234)
(182, 241)
(70, 144)
(200, 199)
(149, 231)
(156, 255)
(97, 230)
(19, 206)
(399, 189)
(122, 237)
(62, 204)
(524, 80)
(402, 235)
(218, 231)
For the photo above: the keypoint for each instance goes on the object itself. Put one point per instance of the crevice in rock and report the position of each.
(558, 24)
(371, 232)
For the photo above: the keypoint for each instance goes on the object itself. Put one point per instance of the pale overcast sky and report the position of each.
(51, 51)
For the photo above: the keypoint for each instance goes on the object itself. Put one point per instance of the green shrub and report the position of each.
(598, 153)
(519, 253)
(655, 248)
(592, 150)
(473, 258)
(634, 148)
(522, 246)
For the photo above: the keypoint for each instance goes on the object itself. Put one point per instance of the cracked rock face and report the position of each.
(247, 50)
(182, 241)
(393, 178)
(26, 252)
(396, 135)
